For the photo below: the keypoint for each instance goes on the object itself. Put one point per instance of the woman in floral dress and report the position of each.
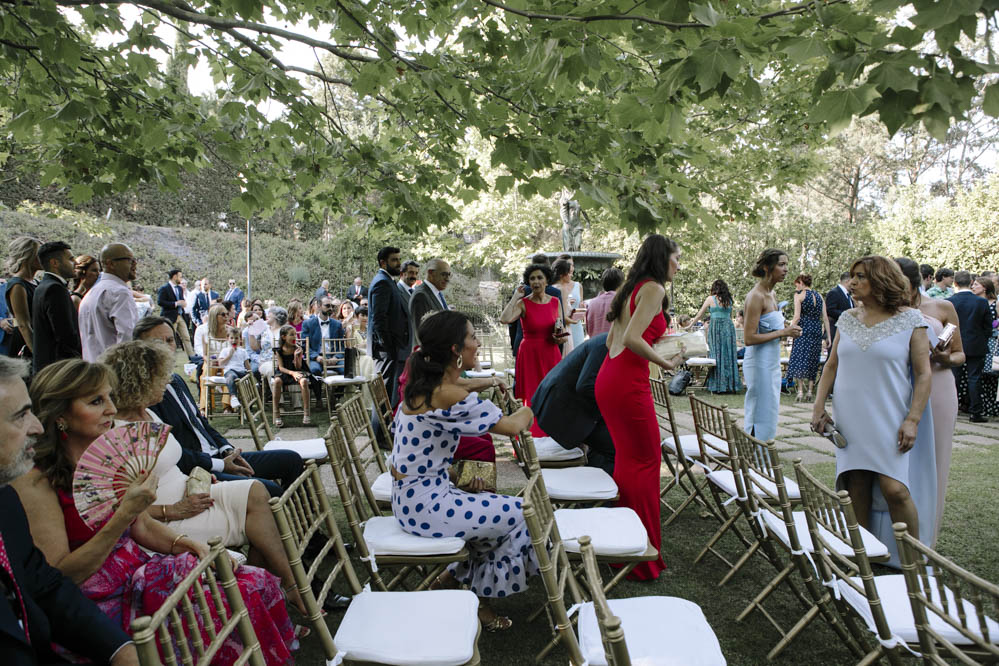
(433, 416)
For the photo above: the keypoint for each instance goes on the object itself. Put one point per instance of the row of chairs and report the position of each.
(810, 535)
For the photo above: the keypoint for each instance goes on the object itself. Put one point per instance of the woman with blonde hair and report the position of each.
(880, 366)
(296, 314)
(22, 264)
(237, 511)
(129, 564)
(86, 270)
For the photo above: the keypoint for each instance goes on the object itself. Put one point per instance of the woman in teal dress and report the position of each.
(724, 377)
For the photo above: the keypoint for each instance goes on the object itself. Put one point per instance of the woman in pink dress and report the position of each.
(538, 352)
(130, 563)
(938, 313)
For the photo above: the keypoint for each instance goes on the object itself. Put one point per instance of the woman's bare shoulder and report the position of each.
(448, 395)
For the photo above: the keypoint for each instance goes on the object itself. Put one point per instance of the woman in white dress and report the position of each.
(562, 271)
(237, 511)
(880, 366)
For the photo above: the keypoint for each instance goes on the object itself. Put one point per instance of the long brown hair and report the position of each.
(651, 262)
(52, 391)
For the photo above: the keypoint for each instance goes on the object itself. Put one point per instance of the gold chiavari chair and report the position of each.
(197, 618)
(252, 406)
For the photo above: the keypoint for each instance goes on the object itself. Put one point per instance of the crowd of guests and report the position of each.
(899, 363)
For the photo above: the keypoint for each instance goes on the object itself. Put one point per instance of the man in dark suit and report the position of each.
(428, 297)
(38, 604)
(566, 408)
(53, 317)
(201, 444)
(976, 328)
(203, 301)
(388, 327)
(357, 291)
(172, 302)
(838, 301)
(320, 326)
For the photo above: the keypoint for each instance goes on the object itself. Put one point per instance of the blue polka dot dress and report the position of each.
(426, 504)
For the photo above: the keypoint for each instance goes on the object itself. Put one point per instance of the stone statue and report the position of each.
(572, 226)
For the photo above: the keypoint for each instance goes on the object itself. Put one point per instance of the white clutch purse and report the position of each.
(689, 344)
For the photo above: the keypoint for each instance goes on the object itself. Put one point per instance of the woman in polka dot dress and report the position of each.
(435, 413)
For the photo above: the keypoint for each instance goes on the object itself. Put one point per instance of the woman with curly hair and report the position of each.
(724, 377)
(86, 270)
(237, 511)
(129, 564)
(880, 366)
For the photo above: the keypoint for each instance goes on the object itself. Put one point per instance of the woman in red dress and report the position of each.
(623, 392)
(538, 352)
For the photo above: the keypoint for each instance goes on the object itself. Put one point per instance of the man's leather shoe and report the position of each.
(978, 418)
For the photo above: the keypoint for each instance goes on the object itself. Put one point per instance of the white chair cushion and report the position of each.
(776, 526)
(686, 639)
(551, 451)
(701, 360)
(384, 537)
(898, 610)
(309, 449)
(613, 531)
(579, 483)
(381, 487)
(433, 627)
(481, 374)
(214, 379)
(340, 380)
(723, 479)
(692, 449)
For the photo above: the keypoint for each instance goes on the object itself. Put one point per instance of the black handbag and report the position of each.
(680, 382)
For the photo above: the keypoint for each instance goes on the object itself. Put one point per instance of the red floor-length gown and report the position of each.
(625, 401)
(538, 352)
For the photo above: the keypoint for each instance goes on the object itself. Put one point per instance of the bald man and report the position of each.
(108, 313)
(428, 297)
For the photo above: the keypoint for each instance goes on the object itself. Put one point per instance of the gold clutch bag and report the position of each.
(464, 472)
(199, 481)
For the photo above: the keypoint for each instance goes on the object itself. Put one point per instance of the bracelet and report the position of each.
(174, 543)
(163, 507)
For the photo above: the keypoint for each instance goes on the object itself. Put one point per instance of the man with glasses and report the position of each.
(108, 313)
(429, 296)
(320, 326)
(234, 296)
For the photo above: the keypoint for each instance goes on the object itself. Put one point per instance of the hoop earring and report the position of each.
(459, 362)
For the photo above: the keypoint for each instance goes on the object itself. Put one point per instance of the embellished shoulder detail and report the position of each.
(866, 336)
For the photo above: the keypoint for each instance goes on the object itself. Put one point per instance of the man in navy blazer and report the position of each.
(388, 327)
(566, 408)
(234, 296)
(170, 297)
(38, 604)
(204, 446)
(203, 301)
(320, 326)
(976, 327)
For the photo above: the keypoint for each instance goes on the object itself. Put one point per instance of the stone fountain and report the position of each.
(589, 265)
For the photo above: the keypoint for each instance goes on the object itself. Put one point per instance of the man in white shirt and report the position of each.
(107, 313)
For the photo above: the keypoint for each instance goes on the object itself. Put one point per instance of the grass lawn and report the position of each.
(971, 522)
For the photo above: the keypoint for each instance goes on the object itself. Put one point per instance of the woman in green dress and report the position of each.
(724, 377)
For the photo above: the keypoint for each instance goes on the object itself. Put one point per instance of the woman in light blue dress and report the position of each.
(562, 271)
(763, 330)
(880, 367)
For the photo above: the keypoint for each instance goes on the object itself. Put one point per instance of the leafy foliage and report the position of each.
(662, 115)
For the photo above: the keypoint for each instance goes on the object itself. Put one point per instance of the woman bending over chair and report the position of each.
(129, 564)
(436, 411)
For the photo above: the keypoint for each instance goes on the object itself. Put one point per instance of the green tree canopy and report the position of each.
(662, 113)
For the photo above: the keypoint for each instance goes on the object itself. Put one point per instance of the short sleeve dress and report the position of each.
(426, 504)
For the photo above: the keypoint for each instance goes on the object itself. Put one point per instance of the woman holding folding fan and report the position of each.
(129, 564)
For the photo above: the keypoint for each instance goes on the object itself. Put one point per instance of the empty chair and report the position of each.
(568, 485)
(366, 457)
(263, 437)
(643, 630)
(954, 610)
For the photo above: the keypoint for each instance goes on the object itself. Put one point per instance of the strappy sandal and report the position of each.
(278, 423)
(306, 421)
(498, 623)
(302, 631)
